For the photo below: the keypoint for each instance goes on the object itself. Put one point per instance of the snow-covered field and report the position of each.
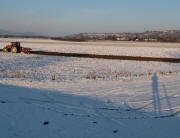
(102, 48)
(49, 96)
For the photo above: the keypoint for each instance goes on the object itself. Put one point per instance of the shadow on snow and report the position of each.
(25, 109)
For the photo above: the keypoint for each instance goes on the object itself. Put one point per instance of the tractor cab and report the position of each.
(15, 44)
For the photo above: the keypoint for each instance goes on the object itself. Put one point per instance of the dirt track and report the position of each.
(112, 57)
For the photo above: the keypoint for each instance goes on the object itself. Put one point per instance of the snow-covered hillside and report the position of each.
(49, 96)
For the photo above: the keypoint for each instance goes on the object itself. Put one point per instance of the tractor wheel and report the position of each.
(5, 49)
(14, 50)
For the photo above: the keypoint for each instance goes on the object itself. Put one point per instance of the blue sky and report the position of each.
(62, 17)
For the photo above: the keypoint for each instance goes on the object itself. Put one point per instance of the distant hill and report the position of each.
(11, 33)
(158, 36)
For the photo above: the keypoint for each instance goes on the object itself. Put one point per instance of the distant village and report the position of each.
(152, 36)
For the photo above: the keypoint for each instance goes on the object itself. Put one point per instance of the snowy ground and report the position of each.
(46, 96)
